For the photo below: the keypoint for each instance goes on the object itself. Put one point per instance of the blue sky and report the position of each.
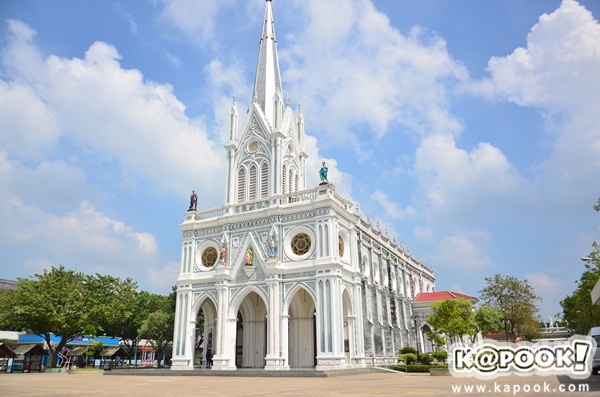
(470, 130)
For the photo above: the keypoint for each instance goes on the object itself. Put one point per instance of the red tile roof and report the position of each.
(440, 295)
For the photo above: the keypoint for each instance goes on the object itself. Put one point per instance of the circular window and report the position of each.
(301, 244)
(341, 246)
(209, 257)
(253, 147)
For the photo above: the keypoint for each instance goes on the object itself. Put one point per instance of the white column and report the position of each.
(224, 357)
(358, 325)
(275, 359)
(181, 356)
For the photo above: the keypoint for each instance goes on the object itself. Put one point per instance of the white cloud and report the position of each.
(543, 283)
(468, 185)
(28, 127)
(195, 18)
(549, 289)
(364, 72)
(462, 251)
(112, 113)
(164, 278)
(84, 235)
(557, 73)
(53, 185)
(391, 208)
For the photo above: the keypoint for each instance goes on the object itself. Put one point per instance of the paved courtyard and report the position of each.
(372, 384)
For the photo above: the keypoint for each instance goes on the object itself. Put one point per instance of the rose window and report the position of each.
(301, 244)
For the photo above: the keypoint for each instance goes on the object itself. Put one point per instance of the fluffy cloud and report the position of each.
(467, 185)
(164, 277)
(22, 110)
(364, 72)
(114, 124)
(194, 18)
(549, 289)
(85, 235)
(558, 73)
(111, 113)
(391, 208)
(464, 251)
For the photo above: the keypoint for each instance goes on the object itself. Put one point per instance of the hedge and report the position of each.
(412, 368)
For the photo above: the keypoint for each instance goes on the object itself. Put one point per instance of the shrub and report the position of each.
(408, 358)
(440, 355)
(425, 358)
(408, 349)
(411, 368)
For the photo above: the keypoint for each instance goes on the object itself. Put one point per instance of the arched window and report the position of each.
(264, 180)
(241, 184)
(367, 272)
(296, 182)
(290, 178)
(253, 182)
(283, 179)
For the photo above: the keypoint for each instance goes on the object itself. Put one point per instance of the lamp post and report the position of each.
(415, 328)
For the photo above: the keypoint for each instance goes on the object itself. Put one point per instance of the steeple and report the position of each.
(267, 86)
(266, 158)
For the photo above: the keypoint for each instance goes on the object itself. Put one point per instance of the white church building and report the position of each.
(288, 276)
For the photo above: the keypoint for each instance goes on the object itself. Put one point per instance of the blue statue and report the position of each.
(323, 173)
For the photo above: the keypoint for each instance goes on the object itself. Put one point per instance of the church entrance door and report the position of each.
(251, 333)
(205, 332)
(302, 331)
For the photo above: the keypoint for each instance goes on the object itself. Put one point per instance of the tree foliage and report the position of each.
(454, 318)
(517, 302)
(158, 329)
(578, 310)
(440, 355)
(138, 308)
(64, 303)
(488, 319)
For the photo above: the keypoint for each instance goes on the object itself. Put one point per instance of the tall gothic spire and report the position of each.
(267, 86)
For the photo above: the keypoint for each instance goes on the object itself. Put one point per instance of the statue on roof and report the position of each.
(193, 201)
(323, 173)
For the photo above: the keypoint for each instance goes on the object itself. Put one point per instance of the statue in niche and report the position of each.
(193, 201)
(323, 174)
(223, 254)
(248, 257)
(271, 249)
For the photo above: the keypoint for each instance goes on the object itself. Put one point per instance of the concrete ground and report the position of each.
(371, 384)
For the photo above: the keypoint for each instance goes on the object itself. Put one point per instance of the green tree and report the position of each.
(67, 304)
(114, 302)
(454, 318)
(578, 309)
(158, 329)
(138, 309)
(488, 319)
(436, 339)
(516, 300)
(440, 355)
(54, 302)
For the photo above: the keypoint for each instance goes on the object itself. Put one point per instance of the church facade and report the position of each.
(284, 275)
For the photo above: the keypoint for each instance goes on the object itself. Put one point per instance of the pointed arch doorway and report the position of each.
(349, 327)
(205, 332)
(302, 345)
(251, 332)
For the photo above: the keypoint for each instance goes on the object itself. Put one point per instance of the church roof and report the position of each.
(268, 78)
(441, 295)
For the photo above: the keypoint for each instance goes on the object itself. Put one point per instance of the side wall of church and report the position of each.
(390, 280)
